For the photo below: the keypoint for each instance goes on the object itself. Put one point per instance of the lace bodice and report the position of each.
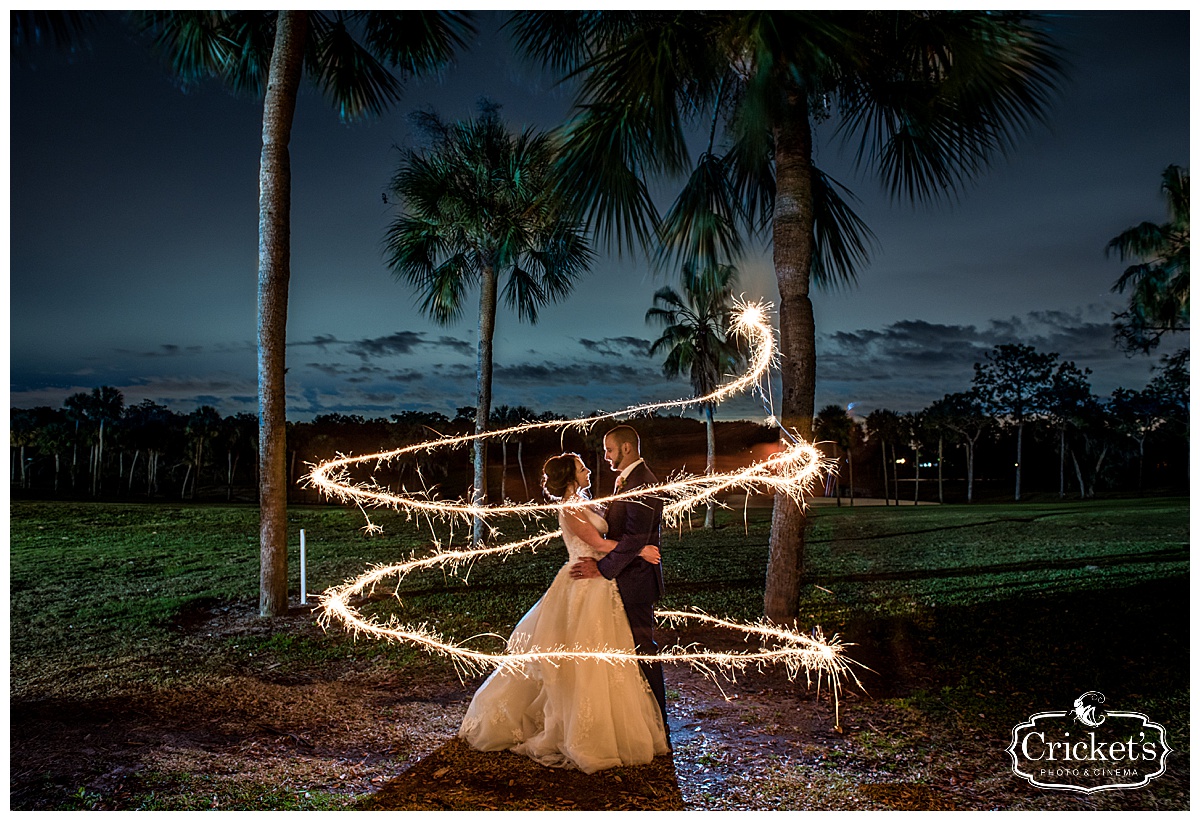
(576, 547)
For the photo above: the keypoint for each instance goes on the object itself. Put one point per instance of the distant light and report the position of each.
(901, 461)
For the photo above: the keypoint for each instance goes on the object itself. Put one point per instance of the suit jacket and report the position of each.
(633, 524)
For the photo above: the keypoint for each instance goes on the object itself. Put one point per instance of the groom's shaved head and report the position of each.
(625, 435)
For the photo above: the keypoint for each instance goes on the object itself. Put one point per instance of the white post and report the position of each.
(303, 587)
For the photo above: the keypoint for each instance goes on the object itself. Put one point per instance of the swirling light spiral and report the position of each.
(791, 472)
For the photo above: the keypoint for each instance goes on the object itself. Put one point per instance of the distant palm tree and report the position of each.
(107, 405)
(964, 414)
(884, 426)
(265, 52)
(833, 423)
(203, 425)
(696, 339)
(927, 97)
(1159, 285)
(481, 206)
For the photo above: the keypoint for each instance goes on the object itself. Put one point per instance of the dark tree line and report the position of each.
(1029, 419)
(1028, 422)
(96, 447)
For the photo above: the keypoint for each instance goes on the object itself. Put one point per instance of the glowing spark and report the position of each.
(791, 472)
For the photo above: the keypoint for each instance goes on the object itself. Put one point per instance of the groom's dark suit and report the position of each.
(633, 525)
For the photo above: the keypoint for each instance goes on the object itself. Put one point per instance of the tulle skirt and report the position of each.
(587, 714)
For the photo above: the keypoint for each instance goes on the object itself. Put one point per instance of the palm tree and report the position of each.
(1160, 292)
(261, 52)
(929, 98)
(962, 413)
(695, 338)
(203, 425)
(833, 423)
(106, 406)
(884, 425)
(914, 427)
(481, 206)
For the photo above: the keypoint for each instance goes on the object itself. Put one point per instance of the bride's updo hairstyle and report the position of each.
(557, 473)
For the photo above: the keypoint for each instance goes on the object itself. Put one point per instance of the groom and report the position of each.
(633, 524)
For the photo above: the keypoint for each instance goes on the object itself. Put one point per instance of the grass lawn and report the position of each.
(141, 677)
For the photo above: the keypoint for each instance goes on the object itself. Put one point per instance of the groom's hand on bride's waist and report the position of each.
(585, 569)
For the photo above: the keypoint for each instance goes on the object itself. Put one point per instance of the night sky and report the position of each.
(134, 244)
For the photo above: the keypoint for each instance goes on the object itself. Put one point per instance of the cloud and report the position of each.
(163, 350)
(404, 343)
(618, 346)
(909, 364)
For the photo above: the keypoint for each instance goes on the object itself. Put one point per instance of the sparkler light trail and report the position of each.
(790, 472)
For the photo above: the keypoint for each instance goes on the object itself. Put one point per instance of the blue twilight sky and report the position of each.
(134, 243)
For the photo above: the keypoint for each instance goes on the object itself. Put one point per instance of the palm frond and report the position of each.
(417, 42)
(703, 225)
(842, 240)
(61, 29)
(1144, 240)
(939, 94)
(599, 165)
(195, 43)
(355, 81)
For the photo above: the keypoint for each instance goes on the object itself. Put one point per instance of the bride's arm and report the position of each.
(574, 521)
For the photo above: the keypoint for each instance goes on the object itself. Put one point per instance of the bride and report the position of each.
(587, 714)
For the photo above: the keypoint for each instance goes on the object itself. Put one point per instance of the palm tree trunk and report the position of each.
(521, 465)
(916, 476)
(487, 329)
(100, 458)
(970, 445)
(883, 455)
(941, 499)
(74, 454)
(504, 469)
(274, 273)
(792, 233)
(1020, 435)
(895, 476)
(711, 461)
(850, 462)
(1062, 461)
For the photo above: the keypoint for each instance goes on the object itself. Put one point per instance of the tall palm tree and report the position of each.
(695, 338)
(1159, 285)
(929, 98)
(481, 206)
(266, 52)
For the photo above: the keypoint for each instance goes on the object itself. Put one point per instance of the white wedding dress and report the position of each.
(586, 714)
